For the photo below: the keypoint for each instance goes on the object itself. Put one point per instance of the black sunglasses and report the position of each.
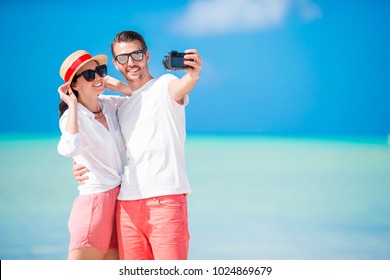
(89, 75)
(124, 57)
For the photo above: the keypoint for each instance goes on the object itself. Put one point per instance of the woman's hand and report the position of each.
(70, 99)
(67, 95)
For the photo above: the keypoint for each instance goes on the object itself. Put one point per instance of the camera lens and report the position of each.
(165, 62)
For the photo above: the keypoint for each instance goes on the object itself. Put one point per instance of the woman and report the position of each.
(92, 137)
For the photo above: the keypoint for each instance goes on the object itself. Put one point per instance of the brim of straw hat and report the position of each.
(100, 59)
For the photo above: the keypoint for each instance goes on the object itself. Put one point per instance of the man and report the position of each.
(152, 203)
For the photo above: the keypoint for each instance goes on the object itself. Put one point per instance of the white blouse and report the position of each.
(100, 150)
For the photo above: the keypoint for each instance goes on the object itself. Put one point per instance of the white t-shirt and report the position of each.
(98, 149)
(153, 126)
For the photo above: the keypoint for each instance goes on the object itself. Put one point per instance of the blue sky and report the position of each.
(300, 67)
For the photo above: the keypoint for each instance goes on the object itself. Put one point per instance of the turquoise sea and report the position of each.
(254, 197)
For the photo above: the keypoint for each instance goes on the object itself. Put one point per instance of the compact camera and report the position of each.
(174, 61)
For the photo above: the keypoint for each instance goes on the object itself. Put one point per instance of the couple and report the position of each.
(133, 150)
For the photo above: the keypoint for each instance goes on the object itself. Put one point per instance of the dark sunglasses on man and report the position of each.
(89, 75)
(136, 56)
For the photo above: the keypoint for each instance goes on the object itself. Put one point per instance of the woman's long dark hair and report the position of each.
(62, 107)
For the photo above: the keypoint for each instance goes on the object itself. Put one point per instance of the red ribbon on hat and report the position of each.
(75, 65)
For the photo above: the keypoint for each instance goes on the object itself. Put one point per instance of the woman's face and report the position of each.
(84, 87)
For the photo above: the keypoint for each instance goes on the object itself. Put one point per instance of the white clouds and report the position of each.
(221, 16)
(308, 10)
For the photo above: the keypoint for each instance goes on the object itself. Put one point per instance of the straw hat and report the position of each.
(76, 60)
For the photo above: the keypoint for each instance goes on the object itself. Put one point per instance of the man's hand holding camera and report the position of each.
(192, 64)
(193, 60)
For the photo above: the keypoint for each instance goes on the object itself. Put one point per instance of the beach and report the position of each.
(253, 197)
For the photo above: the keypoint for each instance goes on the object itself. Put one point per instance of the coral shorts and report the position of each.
(153, 228)
(92, 221)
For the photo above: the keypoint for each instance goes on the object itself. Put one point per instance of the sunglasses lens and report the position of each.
(122, 58)
(137, 56)
(101, 70)
(89, 75)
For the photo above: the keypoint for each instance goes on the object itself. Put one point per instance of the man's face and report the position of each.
(135, 72)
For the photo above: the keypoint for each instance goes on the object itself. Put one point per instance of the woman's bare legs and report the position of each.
(112, 254)
(90, 253)
(85, 253)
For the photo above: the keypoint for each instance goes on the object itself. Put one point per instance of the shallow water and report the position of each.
(253, 198)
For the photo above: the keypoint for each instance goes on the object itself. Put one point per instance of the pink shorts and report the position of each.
(92, 221)
(153, 228)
